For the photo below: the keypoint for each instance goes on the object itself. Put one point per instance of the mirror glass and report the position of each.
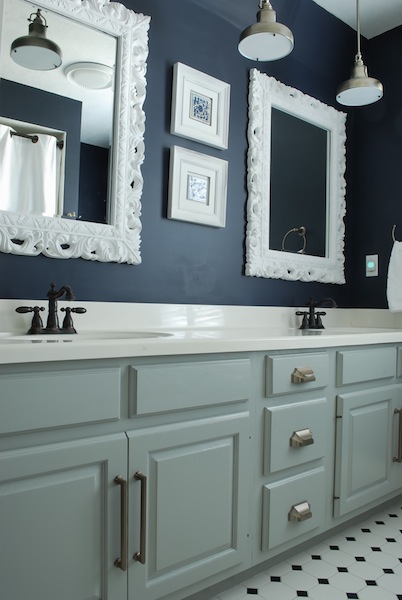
(77, 98)
(296, 185)
(90, 109)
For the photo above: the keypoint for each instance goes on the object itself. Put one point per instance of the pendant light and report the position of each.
(35, 51)
(266, 40)
(360, 89)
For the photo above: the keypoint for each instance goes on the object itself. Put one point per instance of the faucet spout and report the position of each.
(52, 325)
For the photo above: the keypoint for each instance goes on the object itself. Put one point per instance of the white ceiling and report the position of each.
(376, 16)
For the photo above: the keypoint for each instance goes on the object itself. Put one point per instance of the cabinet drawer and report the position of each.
(287, 429)
(32, 401)
(356, 366)
(177, 386)
(279, 371)
(289, 497)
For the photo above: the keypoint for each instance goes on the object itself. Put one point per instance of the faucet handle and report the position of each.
(68, 326)
(318, 321)
(37, 324)
(304, 314)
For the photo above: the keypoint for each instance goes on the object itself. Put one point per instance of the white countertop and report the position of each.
(186, 329)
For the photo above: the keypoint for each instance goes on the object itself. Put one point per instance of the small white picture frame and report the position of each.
(197, 187)
(200, 107)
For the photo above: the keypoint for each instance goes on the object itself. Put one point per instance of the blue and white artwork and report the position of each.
(198, 188)
(200, 108)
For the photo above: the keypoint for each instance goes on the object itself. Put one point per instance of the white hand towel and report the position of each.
(394, 281)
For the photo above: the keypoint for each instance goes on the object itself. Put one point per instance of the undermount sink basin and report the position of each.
(7, 336)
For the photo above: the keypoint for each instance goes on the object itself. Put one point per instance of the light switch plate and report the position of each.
(372, 265)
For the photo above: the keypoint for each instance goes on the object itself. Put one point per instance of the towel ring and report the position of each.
(302, 232)
(393, 233)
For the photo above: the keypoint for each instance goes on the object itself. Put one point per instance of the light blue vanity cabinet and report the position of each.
(368, 401)
(59, 520)
(59, 506)
(194, 523)
(123, 479)
(293, 415)
(329, 431)
(154, 478)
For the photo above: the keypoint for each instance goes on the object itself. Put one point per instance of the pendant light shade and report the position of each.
(266, 40)
(35, 51)
(360, 89)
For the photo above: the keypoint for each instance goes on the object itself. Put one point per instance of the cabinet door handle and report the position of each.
(140, 556)
(302, 375)
(121, 563)
(398, 411)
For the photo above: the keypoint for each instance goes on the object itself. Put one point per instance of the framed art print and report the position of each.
(197, 187)
(200, 107)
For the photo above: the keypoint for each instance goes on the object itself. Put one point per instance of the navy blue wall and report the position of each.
(376, 204)
(189, 263)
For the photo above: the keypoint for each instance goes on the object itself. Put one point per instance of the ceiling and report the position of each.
(376, 16)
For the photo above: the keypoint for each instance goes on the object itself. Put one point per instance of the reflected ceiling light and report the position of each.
(360, 89)
(35, 51)
(91, 76)
(266, 39)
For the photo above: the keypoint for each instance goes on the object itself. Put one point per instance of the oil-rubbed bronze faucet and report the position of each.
(311, 318)
(52, 324)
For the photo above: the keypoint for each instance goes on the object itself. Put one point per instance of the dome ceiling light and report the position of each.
(91, 76)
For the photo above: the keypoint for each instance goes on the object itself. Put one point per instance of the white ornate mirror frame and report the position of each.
(118, 241)
(264, 93)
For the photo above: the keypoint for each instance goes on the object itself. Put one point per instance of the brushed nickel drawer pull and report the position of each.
(398, 411)
(303, 437)
(140, 556)
(302, 375)
(121, 563)
(300, 512)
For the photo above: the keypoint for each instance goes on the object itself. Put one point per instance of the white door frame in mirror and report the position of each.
(118, 241)
(264, 93)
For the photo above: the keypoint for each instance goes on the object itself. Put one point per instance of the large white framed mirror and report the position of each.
(296, 186)
(94, 102)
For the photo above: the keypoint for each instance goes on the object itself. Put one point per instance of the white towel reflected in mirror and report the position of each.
(29, 173)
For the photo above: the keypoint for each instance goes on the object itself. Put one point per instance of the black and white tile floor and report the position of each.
(363, 562)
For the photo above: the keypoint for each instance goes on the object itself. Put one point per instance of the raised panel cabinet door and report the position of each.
(194, 521)
(60, 521)
(366, 442)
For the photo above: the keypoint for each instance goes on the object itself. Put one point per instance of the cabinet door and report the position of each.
(366, 442)
(194, 521)
(60, 521)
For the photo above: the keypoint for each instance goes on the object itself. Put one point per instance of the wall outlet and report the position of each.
(372, 265)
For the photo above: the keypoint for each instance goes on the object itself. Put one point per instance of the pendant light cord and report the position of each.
(359, 54)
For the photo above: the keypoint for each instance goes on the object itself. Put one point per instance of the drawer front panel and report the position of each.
(279, 371)
(296, 421)
(57, 399)
(177, 386)
(284, 498)
(356, 366)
